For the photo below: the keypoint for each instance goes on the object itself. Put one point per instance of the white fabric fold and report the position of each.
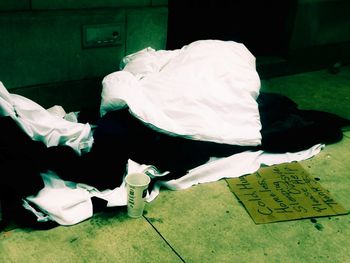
(42, 125)
(62, 201)
(69, 203)
(205, 91)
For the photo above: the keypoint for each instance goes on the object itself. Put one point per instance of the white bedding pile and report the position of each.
(206, 90)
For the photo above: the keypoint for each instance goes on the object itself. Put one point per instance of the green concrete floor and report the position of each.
(206, 223)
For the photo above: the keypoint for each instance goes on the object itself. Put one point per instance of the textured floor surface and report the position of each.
(206, 223)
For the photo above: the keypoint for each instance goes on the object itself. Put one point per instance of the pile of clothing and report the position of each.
(183, 117)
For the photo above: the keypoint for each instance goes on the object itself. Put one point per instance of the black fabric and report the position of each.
(14, 215)
(98, 204)
(119, 136)
(19, 159)
(21, 162)
(23, 159)
(285, 128)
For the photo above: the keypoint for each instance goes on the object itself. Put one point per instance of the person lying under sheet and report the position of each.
(119, 136)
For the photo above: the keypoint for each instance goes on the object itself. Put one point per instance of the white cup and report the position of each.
(136, 186)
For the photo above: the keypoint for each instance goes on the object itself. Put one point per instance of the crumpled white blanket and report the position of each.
(41, 125)
(74, 203)
(206, 91)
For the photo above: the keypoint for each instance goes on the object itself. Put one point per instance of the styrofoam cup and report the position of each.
(136, 186)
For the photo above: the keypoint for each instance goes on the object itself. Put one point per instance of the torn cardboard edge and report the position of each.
(283, 192)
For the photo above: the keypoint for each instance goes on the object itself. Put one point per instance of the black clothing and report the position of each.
(120, 136)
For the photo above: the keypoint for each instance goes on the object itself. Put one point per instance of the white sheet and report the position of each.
(43, 126)
(205, 91)
(74, 204)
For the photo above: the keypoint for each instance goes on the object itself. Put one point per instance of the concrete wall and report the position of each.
(321, 22)
(319, 39)
(41, 53)
(41, 41)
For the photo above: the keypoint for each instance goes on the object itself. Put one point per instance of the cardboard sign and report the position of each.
(283, 192)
